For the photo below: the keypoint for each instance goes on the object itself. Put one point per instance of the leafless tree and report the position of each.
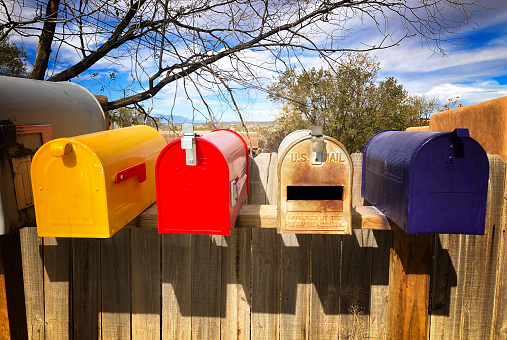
(203, 45)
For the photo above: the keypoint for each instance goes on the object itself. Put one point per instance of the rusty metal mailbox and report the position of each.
(314, 184)
(427, 182)
(202, 182)
(93, 185)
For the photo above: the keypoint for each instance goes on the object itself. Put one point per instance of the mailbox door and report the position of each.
(193, 199)
(315, 198)
(69, 191)
(448, 189)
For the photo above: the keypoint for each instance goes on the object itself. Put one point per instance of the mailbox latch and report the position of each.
(233, 193)
(188, 143)
(318, 153)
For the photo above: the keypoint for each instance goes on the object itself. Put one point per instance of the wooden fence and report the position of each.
(256, 284)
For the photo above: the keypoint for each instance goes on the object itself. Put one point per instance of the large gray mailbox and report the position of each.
(33, 112)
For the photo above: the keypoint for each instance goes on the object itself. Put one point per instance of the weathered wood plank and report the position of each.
(409, 284)
(116, 286)
(379, 284)
(176, 286)
(33, 277)
(265, 316)
(357, 162)
(146, 288)
(295, 287)
(236, 271)
(355, 283)
(483, 255)
(86, 297)
(272, 180)
(206, 286)
(12, 297)
(325, 296)
(499, 324)
(265, 319)
(259, 171)
(265, 216)
(57, 288)
(5, 330)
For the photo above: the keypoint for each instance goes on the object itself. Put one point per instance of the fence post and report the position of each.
(409, 286)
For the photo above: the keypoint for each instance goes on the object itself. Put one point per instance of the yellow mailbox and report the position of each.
(93, 185)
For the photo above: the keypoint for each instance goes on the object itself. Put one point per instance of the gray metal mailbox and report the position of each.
(427, 182)
(32, 112)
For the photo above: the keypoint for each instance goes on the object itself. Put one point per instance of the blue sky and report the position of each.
(474, 72)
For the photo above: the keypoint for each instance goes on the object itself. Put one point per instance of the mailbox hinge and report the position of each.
(188, 143)
(318, 153)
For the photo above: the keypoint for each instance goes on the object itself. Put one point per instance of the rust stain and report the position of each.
(315, 216)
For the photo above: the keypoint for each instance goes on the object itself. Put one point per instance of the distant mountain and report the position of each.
(178, 119)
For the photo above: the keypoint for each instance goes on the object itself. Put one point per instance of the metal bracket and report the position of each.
(318, 152)
(188, 144)
(233, 193)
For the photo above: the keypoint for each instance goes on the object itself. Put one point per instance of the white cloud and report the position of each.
(469, 93)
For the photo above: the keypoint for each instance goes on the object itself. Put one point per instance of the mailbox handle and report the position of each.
(60, 148)
(138, 170)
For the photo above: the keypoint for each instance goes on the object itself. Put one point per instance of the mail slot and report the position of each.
(93, 185)
(427, 182)
(202, 182)
(314, 184)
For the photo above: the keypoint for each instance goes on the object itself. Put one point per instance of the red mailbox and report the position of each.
(202, 182)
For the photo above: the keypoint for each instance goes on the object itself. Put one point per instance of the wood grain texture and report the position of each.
(265, 319)
(10, 245)
(258, 182)
(57, 288)
(146, 287)
(499, 324)
(265, 216)
(116, 286)
(176, 286)
(5, 331)
(379, 284)
(295, 288)
(409, 284)
(206, 286)
(235, 293)
(355, 283)
(86, 297)
(325, 314)
(33, 277)
(357, 162)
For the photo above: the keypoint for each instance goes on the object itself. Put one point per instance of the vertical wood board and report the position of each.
(146, 287)
(176, 286)
(57, 288)
(116, 286)
(236, 290)
(86, 288)
(33, 278)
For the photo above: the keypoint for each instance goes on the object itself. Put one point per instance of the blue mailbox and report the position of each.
(427, 182)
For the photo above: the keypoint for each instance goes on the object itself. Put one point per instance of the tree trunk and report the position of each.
(45, 40)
